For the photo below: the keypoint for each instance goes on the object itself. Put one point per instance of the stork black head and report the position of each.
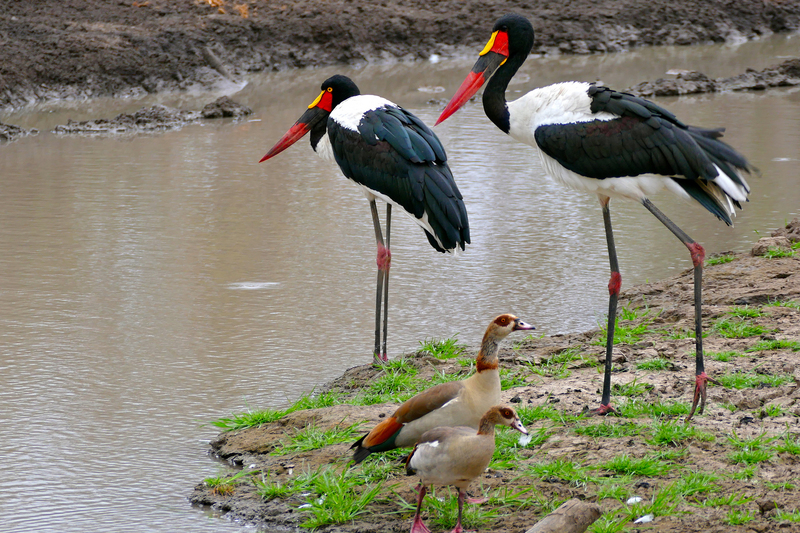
(508, 47)
(335, 90)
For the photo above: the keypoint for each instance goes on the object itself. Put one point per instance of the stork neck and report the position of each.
(494, 97)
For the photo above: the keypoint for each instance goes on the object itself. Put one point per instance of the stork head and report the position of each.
(335, 90)
(512, 36)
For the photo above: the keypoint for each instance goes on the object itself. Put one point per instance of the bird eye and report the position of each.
(330, 89)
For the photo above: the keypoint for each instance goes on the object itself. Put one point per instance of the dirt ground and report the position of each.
(745, 281)
(51, 49)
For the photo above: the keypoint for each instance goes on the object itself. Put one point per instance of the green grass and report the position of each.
(791, 516)
(775, 253)
(791, 445)
(225, 485)
(443, 348)
(791, 304)
(696, 482)
(779, 486)
(773, 410)
(269, 489)
(561, 469)
(750, 451)
(655, 364)
(673, 433)
(255, 418)
(746, 380)
(736, 517)
(630, 389)
(636, 408)
(545, 412)
(745, 474)
(556, 366)
(646, 466)
(776, 345)
(510, 379)
(737, 328)
(337, 498)
(720, 260)
(610, 429)
(728, 499)
(745, 312)
(723, 356)
(313, 438)
(506, 455)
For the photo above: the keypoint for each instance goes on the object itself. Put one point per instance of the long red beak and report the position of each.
(310, 119)
(469, 87)
(483, 69)
(294, 134)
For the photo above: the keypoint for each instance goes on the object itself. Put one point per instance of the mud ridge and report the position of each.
(76, 49)
(153, 119)
(787, 74)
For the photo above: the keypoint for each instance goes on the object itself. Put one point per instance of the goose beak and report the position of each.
(493, 55)
(303, 125)
(519, 325)
(517, 425)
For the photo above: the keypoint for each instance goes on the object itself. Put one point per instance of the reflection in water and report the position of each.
(154, 283)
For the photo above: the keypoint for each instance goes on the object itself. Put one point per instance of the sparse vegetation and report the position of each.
(720, 260)
(443, 348)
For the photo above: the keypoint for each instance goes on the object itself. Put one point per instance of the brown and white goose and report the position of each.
(455, 456)
(457, 403)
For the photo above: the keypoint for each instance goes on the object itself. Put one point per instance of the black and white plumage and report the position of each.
(393, 156)
(614, 145)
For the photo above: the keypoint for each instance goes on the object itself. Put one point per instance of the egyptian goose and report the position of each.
(456, 403)
(455, 456)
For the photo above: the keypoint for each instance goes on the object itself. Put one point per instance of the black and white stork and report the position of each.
(614, 145)
(392, 155)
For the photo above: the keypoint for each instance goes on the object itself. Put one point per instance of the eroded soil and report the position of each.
(666, 310)
(75, 49)
(786, 74)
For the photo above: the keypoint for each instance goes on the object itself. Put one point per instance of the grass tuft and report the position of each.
(720, 260)
(744, 380)
(443, 348)
(737, 328)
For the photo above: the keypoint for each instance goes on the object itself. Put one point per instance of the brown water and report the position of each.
(151, 284)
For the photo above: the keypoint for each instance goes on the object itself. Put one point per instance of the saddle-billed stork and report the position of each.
(392, 155)
(615, 145)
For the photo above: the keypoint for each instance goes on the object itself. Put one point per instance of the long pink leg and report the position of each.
(698, 256)
(614, 284)
(417, 526)
(383, 261)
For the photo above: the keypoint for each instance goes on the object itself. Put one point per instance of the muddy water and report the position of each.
(151, 284)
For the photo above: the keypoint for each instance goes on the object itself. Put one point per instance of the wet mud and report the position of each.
(76, 49)
(787, 74)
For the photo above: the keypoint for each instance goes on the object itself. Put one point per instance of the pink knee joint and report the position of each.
(698, 253)
(614, 283)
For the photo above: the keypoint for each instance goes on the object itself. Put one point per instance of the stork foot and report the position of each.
(603, 410)
(379, 359)
(701, 380)
(384, 258)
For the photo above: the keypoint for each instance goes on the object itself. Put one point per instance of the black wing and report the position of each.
(645, 139)
(396, 154)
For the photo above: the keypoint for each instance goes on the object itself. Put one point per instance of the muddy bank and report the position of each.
(787, 74)
(153, 119)
(560, 375)
(10, 132)
(85, 48)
